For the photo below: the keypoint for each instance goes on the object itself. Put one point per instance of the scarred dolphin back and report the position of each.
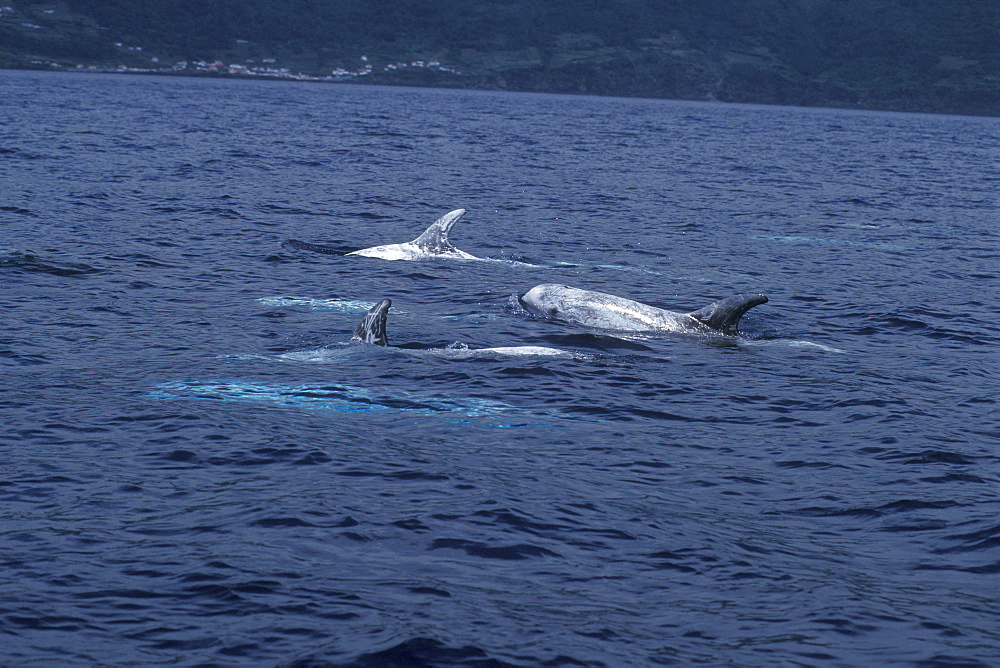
(435, 238)
(371, 329)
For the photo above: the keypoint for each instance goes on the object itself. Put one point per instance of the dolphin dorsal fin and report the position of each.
(435, 238)
(371, 329)
(724, 315)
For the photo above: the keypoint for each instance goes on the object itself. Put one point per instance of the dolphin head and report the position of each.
(546, 299)
(371, 329)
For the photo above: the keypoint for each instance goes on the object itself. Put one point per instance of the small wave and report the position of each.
(228, 213)
(985, 539)
(23, 359)
(27, 262)
(18, 210)
(797, 239)
(22, 154)
(918, 323)
(516, 551)
(635, 269)
(419, 651)
(295, 244)
(287, 210)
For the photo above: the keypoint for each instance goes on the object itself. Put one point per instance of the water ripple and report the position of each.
(199, 468)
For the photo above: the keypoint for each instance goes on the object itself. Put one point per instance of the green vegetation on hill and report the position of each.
(926, 55)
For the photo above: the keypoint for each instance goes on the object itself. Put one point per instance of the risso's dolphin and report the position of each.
(604, 311)
(432, 243)
(371, 330)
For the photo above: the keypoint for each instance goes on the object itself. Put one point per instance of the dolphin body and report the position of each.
(600, 310)
(432, 243)
(371, 330)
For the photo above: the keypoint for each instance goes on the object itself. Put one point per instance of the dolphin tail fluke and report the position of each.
(371, 329)
(725, 315)
(435, 238)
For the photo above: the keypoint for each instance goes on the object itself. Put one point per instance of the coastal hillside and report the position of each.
(915, 55)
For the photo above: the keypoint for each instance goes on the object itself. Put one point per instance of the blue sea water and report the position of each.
(198, 468)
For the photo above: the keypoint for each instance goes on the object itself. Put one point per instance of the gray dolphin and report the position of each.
(371, 330)
(605, 311)
(432, 243)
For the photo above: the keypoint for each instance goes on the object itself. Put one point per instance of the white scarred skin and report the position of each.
(600, 310)
(409, 251)
(603, 311)
(433, 243)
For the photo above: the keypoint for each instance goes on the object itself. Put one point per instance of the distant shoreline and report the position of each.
(376, 80)
(936, 57)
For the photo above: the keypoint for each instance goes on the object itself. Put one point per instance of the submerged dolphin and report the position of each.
(371, 330)
(432, 243)
(603, 311)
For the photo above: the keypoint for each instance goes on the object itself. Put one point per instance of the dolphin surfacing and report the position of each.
(372, 330)
(601, 310)
(432, 243)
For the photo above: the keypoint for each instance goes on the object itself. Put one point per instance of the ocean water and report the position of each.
(199, 468)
